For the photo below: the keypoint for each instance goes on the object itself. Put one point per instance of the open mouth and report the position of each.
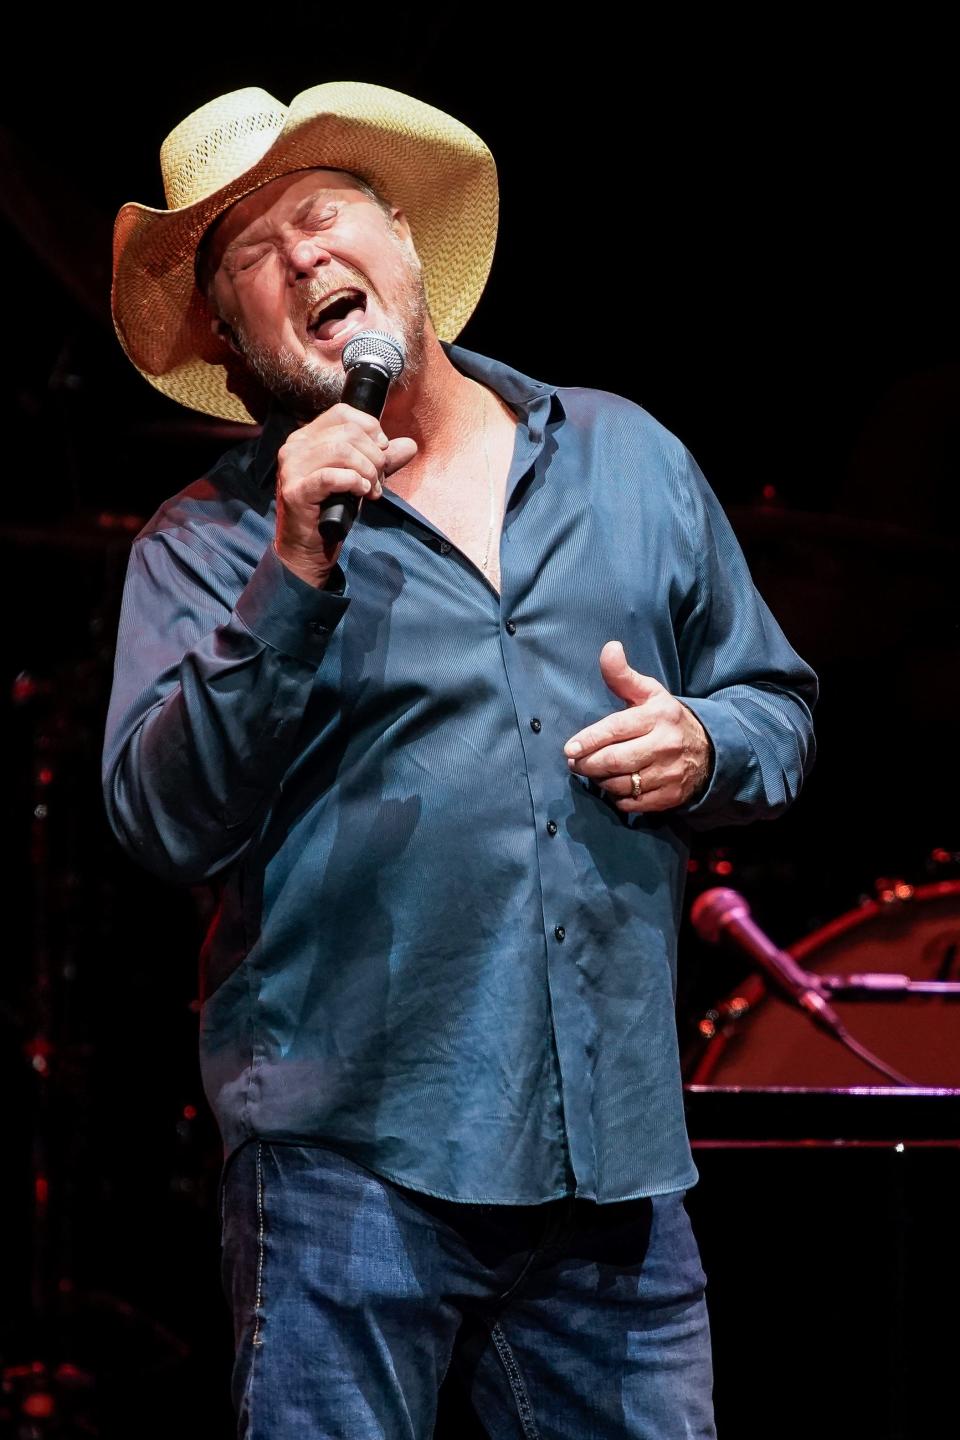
(336, 314)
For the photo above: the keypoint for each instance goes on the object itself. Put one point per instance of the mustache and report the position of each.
(316, 290)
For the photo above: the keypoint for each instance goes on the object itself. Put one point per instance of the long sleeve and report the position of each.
(211, 681)
(741, 678)
(432, 917)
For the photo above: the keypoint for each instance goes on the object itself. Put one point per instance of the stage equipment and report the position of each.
(892, 970)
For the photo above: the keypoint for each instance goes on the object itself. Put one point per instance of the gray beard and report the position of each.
(307, 390)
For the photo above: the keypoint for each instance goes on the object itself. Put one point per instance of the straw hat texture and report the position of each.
(436, 169)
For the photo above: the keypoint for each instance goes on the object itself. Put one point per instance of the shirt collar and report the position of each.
(537, 404)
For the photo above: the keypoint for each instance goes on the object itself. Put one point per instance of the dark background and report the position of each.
(748, 230)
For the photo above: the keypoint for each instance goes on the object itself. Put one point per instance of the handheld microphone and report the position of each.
(722, 912)
(371, 360)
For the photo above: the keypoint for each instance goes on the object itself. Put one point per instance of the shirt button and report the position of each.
(560, 933)
(510, 628)
(318, 628)
(535, 725)
(445, 547)
(551, 827)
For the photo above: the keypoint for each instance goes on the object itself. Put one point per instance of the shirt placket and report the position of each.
(573, 1021)
(548, 780)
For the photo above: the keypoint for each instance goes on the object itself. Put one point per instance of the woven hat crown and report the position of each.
(217, 143)
(430, 165)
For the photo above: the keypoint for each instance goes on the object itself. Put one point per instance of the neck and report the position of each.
(430, 409)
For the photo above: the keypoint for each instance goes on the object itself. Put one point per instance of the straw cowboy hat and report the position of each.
(439, 172)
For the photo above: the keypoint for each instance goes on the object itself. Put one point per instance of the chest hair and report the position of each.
(463, 493)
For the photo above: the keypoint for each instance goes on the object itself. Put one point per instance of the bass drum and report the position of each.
(756, 1039)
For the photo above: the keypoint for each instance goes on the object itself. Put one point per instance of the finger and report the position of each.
(361, 453)
(622, 759)
(622, 679)
(399, 451)
(341, 414)
(333, 445)
(652, 801)
(334, 480)
(620, 787)
(365, 458)
(299, 516)
(298, 476)
(622, 725)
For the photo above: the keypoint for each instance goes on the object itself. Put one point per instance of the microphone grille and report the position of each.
(375, 347)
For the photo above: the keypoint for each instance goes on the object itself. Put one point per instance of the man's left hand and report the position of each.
(655, 737)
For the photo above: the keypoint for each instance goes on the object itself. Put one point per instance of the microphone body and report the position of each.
(371, 361)
(722, 912)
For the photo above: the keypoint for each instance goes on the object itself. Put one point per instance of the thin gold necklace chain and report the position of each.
(490, 486)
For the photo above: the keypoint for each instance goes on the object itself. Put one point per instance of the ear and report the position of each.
(223, 332)
(401, 225)
(401, 228)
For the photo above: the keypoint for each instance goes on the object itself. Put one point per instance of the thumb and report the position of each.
(629, 684)
(398, 452)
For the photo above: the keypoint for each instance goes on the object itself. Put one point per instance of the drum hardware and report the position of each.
(722, 913)
(902, 945)
(892, 986)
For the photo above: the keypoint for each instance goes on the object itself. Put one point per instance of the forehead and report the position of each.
(276, 201)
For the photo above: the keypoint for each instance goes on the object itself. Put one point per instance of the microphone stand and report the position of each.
(722, 913)
(884, 986)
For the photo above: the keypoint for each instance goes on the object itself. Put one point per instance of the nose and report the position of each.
(305, 255)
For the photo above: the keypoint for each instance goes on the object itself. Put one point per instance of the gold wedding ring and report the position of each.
(636, 789)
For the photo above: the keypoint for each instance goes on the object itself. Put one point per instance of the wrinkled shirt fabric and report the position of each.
(436, 950)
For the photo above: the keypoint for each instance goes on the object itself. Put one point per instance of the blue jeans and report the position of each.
(352, 1297)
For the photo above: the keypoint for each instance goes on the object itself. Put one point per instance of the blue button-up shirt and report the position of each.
(437, 950)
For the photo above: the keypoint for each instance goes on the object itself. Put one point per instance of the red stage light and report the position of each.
(39, 1407)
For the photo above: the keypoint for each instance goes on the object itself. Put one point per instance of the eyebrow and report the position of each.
(301, 212)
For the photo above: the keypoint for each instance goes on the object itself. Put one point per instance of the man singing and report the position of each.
(443, 773)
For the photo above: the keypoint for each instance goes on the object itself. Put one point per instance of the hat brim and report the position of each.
(436, 170)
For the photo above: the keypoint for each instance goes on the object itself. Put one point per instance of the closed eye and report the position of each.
(320, 219)
(246, 257)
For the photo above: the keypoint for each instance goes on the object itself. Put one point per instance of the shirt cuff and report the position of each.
(733, 757)
(289, 615)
